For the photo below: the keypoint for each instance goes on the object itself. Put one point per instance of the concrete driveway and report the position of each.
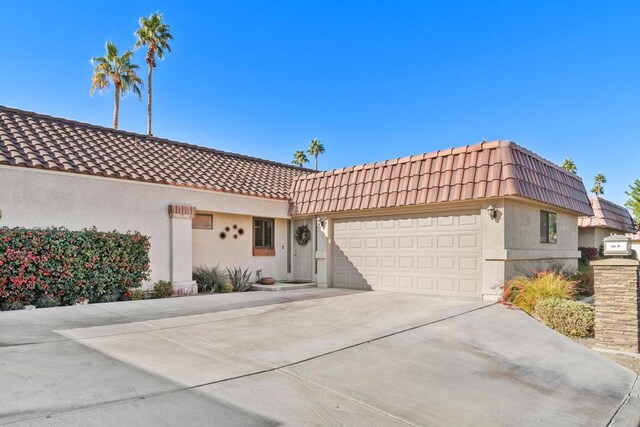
(314, 357)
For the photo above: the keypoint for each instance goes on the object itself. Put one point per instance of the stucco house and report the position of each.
(455, 222)
(635, 241)
(608, 218)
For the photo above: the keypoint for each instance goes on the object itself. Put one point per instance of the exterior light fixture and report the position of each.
(321, 223)
(617, 245)
(492, 211)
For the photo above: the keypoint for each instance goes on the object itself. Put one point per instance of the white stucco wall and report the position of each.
(209, 249)
(37, 198)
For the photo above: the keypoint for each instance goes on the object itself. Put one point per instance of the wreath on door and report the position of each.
(303, 235)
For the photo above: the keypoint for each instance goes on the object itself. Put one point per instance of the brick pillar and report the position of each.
(616, 299)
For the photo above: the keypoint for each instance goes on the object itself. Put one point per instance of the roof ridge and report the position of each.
(609, 202)
(150, 138)
(542, 159)
(411, 158)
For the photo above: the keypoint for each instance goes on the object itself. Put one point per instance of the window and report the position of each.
(548, 227)
(202, 222)
(263, 239)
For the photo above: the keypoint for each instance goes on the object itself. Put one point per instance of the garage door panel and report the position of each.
(439, 254)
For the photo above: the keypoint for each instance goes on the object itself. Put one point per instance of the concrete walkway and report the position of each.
(317, 356)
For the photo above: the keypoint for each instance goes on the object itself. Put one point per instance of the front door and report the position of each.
(302, 254)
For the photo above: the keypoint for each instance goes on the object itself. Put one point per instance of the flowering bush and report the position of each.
(525, 292)
(67, 266)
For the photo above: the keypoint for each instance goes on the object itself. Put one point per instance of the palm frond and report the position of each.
(116, 70)
(155, 34)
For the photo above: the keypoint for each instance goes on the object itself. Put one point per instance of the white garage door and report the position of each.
(436, 254)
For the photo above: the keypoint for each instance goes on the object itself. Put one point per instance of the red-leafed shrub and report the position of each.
(588, 254)
(525, 292)
(55, 263)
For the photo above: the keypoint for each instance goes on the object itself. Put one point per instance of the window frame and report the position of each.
(202, 228)
(548, 228)
(263, 250)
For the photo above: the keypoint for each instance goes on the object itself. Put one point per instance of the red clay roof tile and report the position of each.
(37, 141)
(480, 171)
(607, 214)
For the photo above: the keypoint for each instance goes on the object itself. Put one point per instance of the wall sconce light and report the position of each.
(492, 211)
(321, 223)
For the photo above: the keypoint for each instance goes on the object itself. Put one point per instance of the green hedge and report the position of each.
(569, 317)
(56, 263)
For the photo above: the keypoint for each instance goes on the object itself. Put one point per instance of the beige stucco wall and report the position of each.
(525, 252)
(36, 198)
(586, 237)
(209, 249)
(591, 237)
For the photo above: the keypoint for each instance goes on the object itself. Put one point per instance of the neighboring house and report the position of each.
(635, 241)
(456, 222)
(608, 218)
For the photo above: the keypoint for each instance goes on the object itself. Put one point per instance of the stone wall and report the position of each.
(616, 301)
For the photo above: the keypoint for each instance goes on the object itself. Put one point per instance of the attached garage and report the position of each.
(435, 254)
(456, 222)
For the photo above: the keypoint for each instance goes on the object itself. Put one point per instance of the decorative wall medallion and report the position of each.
(238, 232)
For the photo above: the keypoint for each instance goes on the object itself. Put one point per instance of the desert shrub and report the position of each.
(45, 302)
(138, 294)
(525, 292)
(13, 305)
(69, 265)
(588, 254)
(240, 279)
(210, 279)
(572, 318)
(584, 279)
(162, 289)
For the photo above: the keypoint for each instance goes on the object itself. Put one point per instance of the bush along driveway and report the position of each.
(319, 357)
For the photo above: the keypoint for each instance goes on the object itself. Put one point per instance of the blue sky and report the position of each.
(372, 79)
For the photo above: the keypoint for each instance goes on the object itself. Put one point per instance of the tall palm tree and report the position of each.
(116, 70)
(598, 189)
(154, 34)
(570, 166)
(315, 149)
(299, 158)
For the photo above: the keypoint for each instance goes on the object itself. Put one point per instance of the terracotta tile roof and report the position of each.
(488, 169)
(37, 141)
(607, 215)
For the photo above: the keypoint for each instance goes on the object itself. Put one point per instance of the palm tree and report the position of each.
(116, 70)
(570, 166)
(315, 149)
(299, 158)
(154, 34)
(598, 189)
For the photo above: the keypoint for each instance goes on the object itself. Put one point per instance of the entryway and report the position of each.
(302, 253)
